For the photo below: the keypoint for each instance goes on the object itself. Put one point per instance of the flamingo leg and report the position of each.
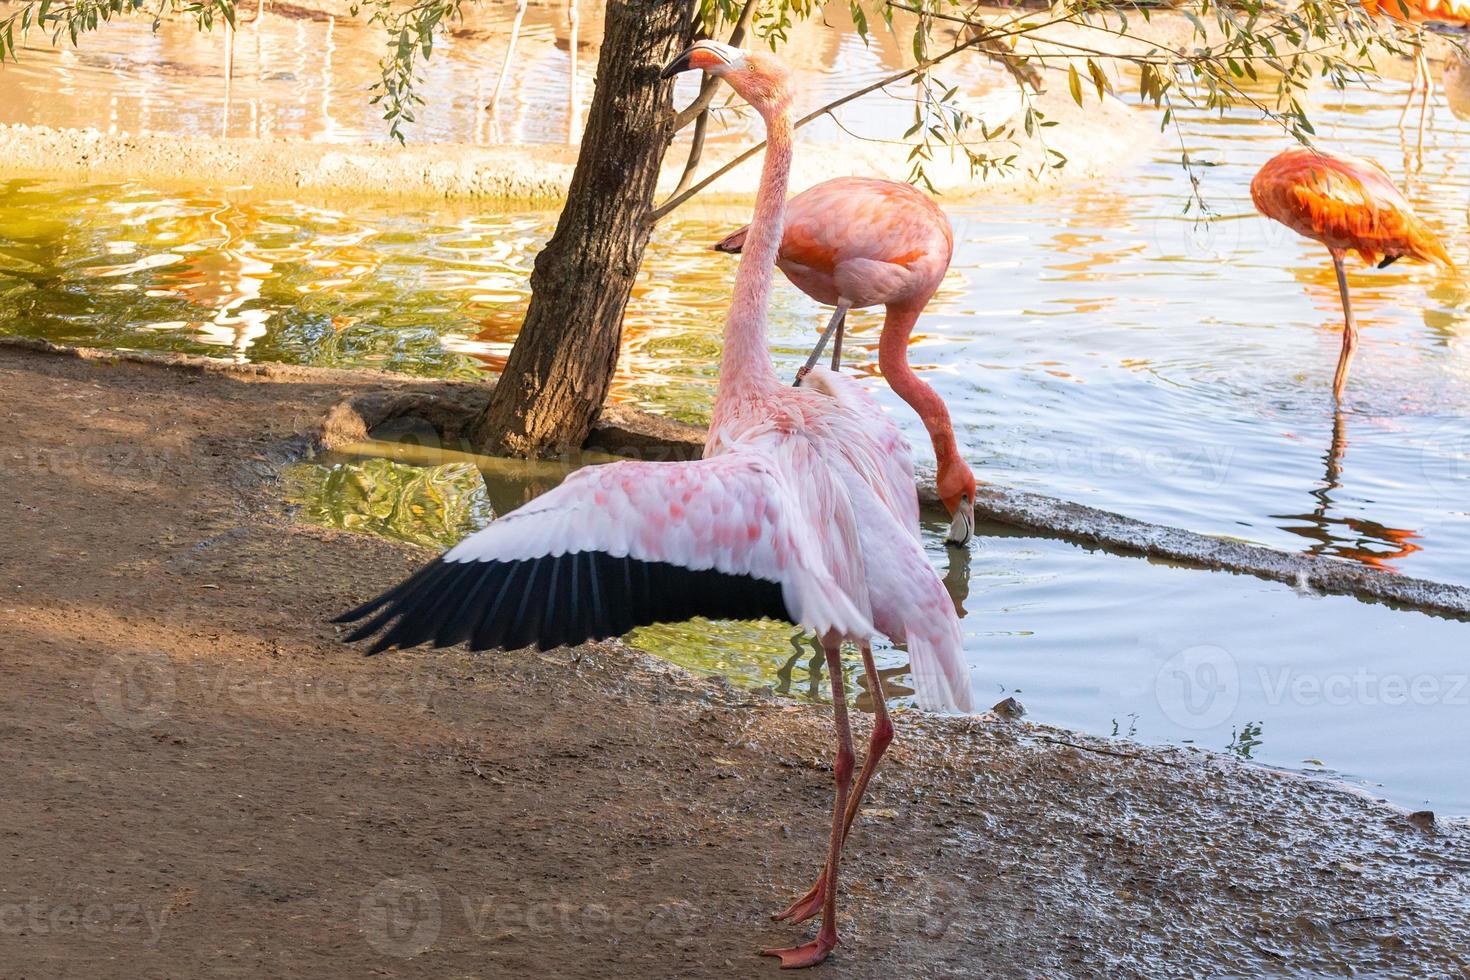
(1423, 60)
(811, 903)
(1413, 91)
(838, 316)
(837, 345)
(510, 50)
(1349, 329)
(573, 111)
(813, 952)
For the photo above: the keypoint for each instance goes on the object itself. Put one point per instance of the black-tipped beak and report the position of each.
(680, 63)
(962, 525)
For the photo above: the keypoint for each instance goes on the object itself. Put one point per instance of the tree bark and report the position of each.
(561, 366)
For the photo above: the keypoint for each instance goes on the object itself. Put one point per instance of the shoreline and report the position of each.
(450, 405)
(199, 744)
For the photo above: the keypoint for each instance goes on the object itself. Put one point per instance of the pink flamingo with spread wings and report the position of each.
(854, 242)
(1346, 203)
(803, 509)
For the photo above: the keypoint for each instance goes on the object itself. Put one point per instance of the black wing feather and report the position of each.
(587, 596)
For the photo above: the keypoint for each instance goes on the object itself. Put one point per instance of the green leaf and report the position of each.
(1098, 78)
(1074, 83)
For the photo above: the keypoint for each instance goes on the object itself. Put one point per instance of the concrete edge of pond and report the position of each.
(1094, 142)
(449, 406)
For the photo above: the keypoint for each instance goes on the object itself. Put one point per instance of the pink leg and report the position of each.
(1349, 329)
(810, 904)
(814, 952)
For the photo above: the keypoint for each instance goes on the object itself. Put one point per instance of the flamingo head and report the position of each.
(957, 493)
(758, 77)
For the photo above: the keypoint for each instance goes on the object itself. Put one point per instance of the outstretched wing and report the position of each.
(619, 546)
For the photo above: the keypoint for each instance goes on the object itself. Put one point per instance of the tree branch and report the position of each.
(662, 211)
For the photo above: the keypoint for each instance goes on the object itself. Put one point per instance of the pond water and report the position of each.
(1098, 345)
(1375, 696)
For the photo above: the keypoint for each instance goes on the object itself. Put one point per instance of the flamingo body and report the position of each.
(855, 242)
(802, 509)
(1346, 203)
(871, 242)
(1420, 11)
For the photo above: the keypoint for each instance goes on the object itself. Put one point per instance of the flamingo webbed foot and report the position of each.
(807, 954)
(806, 906)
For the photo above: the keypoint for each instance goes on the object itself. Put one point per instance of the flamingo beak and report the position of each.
(962, 525)
(681, 62)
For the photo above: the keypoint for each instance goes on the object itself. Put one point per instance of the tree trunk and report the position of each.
(562, 363)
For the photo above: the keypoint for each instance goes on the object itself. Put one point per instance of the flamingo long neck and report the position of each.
(893, 361)
(746, 361)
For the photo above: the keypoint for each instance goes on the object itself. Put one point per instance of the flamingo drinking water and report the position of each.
(854, 242)
(802, 509)
(1346, 203)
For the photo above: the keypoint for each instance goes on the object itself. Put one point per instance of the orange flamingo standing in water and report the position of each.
(855, 242)
(803, 509)
(1346, 203)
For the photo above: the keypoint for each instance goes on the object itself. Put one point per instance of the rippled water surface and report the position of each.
(1101, 346)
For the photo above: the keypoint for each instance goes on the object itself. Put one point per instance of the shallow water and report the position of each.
(1085, 639)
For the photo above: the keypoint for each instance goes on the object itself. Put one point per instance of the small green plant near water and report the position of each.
(434, 506)
(1246, 740)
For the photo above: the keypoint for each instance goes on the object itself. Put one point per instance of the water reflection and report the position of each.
(1353, 537)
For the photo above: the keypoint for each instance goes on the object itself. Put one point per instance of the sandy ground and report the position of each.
(200, 780)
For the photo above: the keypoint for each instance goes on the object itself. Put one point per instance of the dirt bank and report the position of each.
(200, 779)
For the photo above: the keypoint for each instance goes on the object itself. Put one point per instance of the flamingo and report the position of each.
(803, 509)
(855, 242)
(1344, 202)
(1420, 12)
